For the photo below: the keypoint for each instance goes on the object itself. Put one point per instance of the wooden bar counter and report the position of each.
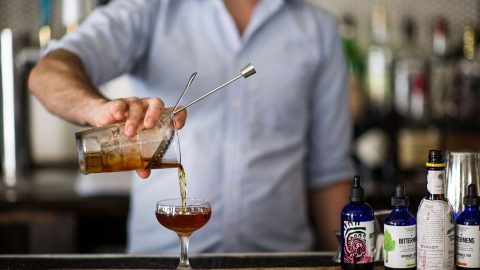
(304, 261)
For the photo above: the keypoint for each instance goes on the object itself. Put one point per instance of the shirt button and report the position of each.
(229, 233)
(233, 147)
(236, 104)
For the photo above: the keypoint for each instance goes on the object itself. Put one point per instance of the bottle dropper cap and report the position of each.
(400, 199)
(357, 191)
(471, 197)
(435, 156)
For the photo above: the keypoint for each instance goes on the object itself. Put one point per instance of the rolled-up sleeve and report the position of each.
(112, 39)
(329, 157)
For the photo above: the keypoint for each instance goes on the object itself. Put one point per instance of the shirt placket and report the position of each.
(234, 159)
(236, 126)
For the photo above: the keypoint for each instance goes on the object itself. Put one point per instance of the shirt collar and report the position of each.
(264, 10)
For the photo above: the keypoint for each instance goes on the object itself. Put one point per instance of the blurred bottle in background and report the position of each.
(410, 83)
(466, 93)
(379, 64)
(441, 73)
(373, 146)
(420, 84)
(354, 60)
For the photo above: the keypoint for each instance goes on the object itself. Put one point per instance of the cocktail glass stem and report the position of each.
(184, 263)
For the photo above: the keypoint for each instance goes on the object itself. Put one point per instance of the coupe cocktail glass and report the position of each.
(183, 220)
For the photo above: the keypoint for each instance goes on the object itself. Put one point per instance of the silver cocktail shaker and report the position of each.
(462, 170)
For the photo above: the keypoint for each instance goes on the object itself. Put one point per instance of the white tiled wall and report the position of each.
(457, 12)
(23, 15)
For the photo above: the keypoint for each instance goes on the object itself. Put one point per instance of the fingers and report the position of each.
(138, 113)
(118, 109)
(106, 113)
(155, 108)
(179, 119)
(111, 112)
(135, 116)
(144, 174)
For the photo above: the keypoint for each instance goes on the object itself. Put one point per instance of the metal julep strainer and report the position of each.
(162, 148)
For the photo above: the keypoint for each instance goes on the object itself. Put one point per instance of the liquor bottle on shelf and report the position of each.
(354, 65)
(441, 74)
(379, 64)
(466, 95)
(410, 95)
(435, 222)
(380, 120)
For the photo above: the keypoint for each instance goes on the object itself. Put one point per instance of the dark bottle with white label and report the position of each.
(400, 234)
(357, 231)
(468, 232)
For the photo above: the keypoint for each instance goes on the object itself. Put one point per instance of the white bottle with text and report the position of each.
(435, 221)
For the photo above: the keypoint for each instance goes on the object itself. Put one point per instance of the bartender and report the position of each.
(271, 153)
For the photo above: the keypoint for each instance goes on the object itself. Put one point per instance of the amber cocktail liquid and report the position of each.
(112, 162)
(184, 220)
(108, 149)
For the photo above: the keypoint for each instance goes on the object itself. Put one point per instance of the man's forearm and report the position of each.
(61, 84)
(326, 205)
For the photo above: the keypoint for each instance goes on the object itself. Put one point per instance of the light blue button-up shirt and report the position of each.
(255, 148)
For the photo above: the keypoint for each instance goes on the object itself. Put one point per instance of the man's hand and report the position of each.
(60, 82)
(137, 114)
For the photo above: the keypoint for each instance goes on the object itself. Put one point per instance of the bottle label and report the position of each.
(435, 235)
(435, 182)
(468, 246)
(400, 246)
(359, 242)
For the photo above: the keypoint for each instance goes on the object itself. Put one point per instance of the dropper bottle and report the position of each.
(400, 241)
(468, 231)
(357, 231)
